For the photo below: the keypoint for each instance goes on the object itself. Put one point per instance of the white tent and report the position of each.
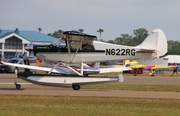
(172, 58)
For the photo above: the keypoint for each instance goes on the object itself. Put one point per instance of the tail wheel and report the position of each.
(76, 86)
(16, 70)
(18, 86)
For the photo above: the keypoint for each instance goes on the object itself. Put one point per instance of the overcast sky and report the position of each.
(115, 17)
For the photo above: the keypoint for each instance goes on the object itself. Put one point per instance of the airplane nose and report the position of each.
(28, 47)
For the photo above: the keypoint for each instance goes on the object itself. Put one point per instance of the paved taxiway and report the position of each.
(7, 87)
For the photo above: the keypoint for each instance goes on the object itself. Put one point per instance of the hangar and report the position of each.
(12, 42)
(172, 58)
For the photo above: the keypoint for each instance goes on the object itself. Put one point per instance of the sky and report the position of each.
(115, 17)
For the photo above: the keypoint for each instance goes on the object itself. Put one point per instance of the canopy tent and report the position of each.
(172, 58)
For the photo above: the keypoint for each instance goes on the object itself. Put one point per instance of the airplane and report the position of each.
(138, 68)
(81, 49)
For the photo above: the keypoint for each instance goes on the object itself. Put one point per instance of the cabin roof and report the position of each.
(77, 36)
(77, 33)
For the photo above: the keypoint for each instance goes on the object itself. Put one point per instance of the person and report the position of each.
(26, 62)
(37, 64)
(174, 69)
(37, 61)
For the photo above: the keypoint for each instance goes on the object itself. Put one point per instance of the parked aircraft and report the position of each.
(81, 49)
(138, 68)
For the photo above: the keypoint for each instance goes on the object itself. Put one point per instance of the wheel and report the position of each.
(16, 70)
(76, 86)
(86, 75)
(18, 86)
(135, 74)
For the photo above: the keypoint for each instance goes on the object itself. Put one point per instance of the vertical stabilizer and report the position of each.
(155, 41)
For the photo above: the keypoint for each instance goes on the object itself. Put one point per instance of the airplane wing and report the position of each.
(148, 67)
(100, 70)
(136, 66)
(107, 70)
(32, 67)
(161, 67)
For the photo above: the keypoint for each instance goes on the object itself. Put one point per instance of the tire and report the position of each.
(86, 75)
(16, 70)
(76, 86)
(18, 86)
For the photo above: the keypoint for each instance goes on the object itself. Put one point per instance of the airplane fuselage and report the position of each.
(102, 52)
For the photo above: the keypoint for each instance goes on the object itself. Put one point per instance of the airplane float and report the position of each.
(80, 52)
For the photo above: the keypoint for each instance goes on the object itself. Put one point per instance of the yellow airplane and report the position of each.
(138, 68)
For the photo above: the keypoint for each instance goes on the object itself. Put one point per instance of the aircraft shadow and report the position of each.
(12, 89)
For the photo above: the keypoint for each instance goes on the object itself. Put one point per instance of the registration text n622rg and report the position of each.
(121, 52)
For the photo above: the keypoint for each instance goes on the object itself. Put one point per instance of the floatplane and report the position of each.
(80, 56)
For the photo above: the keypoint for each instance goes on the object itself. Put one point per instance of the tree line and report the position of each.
(139, 35)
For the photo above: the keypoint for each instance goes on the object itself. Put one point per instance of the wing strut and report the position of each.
(81, 71)
(53, 68)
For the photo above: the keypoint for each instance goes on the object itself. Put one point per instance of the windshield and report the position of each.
(59, 43)
(13, 61)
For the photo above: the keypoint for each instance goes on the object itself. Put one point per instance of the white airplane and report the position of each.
(81, 49)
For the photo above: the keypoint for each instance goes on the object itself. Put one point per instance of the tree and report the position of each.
(56, 34)
(100, 31)
(81, 30)
(39, 29)
(111, 41)
(125, 39)
(140, 35)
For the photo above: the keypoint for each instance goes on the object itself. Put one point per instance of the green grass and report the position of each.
(23, 105)
(134, 87)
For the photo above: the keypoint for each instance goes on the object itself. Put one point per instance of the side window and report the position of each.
(13, 61)
(21, 61)
(32, 61)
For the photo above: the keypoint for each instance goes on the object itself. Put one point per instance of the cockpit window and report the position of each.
(59, 43)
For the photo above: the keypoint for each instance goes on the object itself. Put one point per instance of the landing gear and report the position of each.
(86, 75)
(76, 86)
(16, 70)
(18, 86)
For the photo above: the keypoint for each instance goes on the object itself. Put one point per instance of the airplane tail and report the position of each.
(156, 41)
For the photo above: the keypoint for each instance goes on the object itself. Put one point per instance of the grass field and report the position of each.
(33, 105)
(23, 105)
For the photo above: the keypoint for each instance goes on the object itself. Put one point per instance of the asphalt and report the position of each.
(7, 87)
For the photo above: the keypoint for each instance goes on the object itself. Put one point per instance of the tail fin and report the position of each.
(156, 41)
